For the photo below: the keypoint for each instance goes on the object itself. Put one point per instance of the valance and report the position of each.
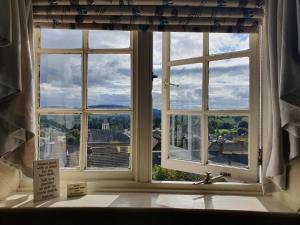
(151, 15)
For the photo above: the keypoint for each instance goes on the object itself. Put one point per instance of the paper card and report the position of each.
(45, 179)
(78, 189)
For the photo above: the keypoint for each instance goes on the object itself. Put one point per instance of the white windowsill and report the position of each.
(152, 200)
(96, 185)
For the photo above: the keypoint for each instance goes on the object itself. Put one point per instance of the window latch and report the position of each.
(166, 84)
(154, 76)
(208, 179)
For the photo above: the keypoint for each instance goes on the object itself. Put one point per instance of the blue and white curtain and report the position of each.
(233, 16)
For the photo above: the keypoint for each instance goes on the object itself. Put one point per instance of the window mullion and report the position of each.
(205, 80)
(84, 120)
(37, 43)
(165, 126)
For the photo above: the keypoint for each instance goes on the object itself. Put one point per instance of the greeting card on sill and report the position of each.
(45, 179)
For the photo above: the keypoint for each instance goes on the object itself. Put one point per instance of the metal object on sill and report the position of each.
(209, 179)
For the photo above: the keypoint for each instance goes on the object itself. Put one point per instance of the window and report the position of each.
(84, 99)
(94, 102)
(210, 107)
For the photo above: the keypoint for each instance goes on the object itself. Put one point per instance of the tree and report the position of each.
(73, 137)
(226, 126)
(212, 126)
(243, 124)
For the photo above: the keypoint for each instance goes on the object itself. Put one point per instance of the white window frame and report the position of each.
(140, 176)
(249, 174)
(81, 172)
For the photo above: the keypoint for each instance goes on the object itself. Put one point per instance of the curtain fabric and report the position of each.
(17, 120)
(236, 16)
(282, 55)
(5, 23)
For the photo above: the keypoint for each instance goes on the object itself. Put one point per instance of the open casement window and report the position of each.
(210, 113)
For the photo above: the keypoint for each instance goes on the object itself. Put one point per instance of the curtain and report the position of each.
(233, 16)
(17, 120)
(5, 23)
(282, 60)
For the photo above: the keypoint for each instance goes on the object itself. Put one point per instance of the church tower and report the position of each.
(105, 124)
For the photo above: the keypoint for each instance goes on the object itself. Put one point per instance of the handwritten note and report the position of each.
(45, 179)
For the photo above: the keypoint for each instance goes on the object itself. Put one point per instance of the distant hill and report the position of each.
(155, 112)
(108, 107)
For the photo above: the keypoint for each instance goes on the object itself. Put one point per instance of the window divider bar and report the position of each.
(166, 40)
(58, 111)
(186, 61)
(84, 119)
(85, 50)
(226, 112)
(106, 111)
(37, 42)
(208, 112)
(205, 83)
(229, 55)
(109, 51)
(58, 51)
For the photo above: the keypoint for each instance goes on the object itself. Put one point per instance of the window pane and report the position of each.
(186, 87)
(103, 39)
(186, 45)
(60, 81)
(109, 81)
(109, 141)
(185, 139)
(223, 42)
(60, 139)
(61, 39)
(157, 70)
(228, 140)
(229, 84)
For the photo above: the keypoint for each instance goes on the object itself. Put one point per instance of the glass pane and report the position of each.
(225, 42)
(186, 45)
(157, 70)
(104, 39)
(61, 39)
(60, 139)
(186, 87)
(109, 141)
(109, 81)
(228, 140)
(229, 84)
(60, 81)
(185, 139)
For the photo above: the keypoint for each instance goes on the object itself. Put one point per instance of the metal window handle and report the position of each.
(208, 179)
(166, 84)
(154, 76)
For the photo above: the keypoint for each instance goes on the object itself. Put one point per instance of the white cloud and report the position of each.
(186, 45)
(53, 96)
(61, 70)
(110, 75)
(222, 42)
(106, 39)
(59, 38)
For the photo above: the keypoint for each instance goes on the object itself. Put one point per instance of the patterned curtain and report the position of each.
(232, 16)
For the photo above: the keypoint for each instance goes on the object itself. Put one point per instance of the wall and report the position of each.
(291, 197)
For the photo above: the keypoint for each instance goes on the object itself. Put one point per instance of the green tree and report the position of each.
(243, 124)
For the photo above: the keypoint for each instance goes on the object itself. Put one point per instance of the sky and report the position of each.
(109, 76)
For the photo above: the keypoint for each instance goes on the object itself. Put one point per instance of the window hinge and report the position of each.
(260, 156)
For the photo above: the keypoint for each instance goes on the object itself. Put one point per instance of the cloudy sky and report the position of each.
(109, 75)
